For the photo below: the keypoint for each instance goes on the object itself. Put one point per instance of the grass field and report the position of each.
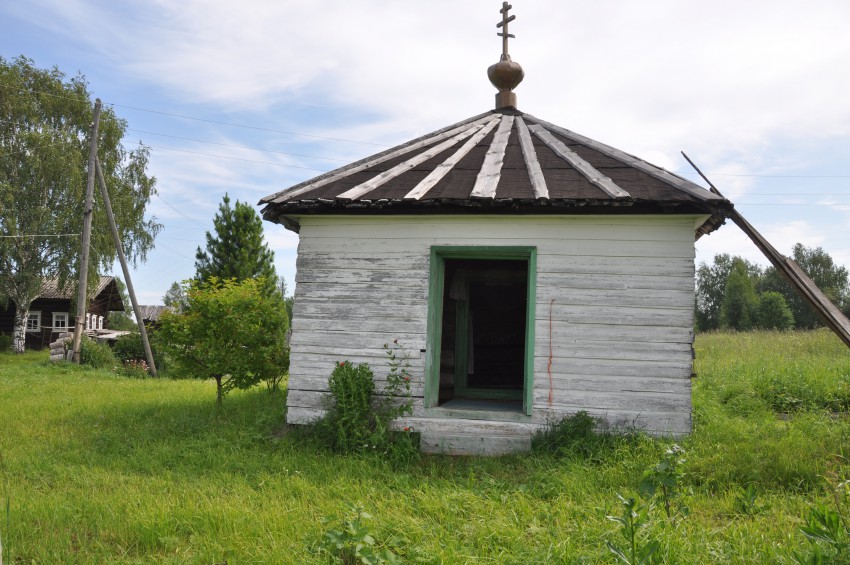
(99, 468)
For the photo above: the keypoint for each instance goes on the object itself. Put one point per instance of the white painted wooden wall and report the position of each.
(619, 291)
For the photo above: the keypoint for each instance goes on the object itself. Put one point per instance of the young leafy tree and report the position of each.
(711, 288)
(740, 302)
(231, 332)
(237, 251)
(175, 297)
(288, 301)
(44, 146)
(832, 279)
(773, 312)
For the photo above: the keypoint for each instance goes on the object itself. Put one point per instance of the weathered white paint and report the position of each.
(342, 172)
(586, 169)
(443, 168)
(616, 291)
(491, 169)
(366, 187)
(529, 155)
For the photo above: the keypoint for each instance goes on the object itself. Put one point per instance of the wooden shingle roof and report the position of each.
(500, 162)
(106, 293)
(152, 313)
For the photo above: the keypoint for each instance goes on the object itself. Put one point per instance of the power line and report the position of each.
(40, 235)
(164, 201)
(219, 122)
(22, 150)
(768, 176)
(789, 193)
(258, 128)
(824, 204)
(237, 146)
(238, 158)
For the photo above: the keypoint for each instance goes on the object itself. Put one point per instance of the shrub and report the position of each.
(232, 332)
(136, 368)
(97, 355)
(129, 347)
(5, 343)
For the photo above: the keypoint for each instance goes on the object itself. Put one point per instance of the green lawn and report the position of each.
(99, 468)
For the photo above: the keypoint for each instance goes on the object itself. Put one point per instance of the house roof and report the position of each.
(50, 288)
(106, 292)
(500, 162)
(152, 313)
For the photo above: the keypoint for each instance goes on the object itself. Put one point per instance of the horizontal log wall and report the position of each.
(615, 294)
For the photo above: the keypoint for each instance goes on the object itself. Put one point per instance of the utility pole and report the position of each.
(82, 295)
(120, 249)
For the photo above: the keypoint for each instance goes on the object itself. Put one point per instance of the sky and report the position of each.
(247, 98)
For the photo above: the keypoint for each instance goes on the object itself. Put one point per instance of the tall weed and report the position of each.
(347, 425)
(360, 418)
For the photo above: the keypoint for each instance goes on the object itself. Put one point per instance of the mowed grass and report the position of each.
(98, 468)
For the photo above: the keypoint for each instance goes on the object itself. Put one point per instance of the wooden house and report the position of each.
(532, 273)
(151, 314)
(51, 313)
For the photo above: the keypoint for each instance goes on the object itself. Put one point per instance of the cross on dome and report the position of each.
(506, 74)
(504, 23)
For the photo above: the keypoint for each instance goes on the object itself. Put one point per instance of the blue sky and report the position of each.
(755, 92)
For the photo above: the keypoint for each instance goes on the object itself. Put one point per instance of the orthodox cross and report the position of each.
(504, 23)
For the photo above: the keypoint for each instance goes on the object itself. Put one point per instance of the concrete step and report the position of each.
(460, 436)
(471, 444)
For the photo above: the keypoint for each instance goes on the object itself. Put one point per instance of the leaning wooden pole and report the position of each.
(82, 301)
(120, 248)
(791, 271)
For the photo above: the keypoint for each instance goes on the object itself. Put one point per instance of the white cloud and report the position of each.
(722, 79)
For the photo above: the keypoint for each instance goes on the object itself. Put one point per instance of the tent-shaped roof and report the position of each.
(500, 162)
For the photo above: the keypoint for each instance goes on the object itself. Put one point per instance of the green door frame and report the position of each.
(436, 288)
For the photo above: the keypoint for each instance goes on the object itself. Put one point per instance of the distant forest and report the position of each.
(733, 293)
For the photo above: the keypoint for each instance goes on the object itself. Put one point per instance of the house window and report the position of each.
(60, 321)
(100, 322)
(481, 328)
(88, 321)
(34, 321)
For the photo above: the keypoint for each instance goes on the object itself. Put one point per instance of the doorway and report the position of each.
(484, 313)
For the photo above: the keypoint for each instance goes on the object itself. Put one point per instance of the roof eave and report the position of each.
(287, 214)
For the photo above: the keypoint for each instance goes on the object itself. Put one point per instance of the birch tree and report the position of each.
(44, 143)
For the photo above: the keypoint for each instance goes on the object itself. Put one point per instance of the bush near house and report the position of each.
(96, 355)
(230, 332)
(129, 348)
(5, 343)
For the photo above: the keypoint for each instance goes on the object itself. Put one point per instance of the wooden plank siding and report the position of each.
(615, 295)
